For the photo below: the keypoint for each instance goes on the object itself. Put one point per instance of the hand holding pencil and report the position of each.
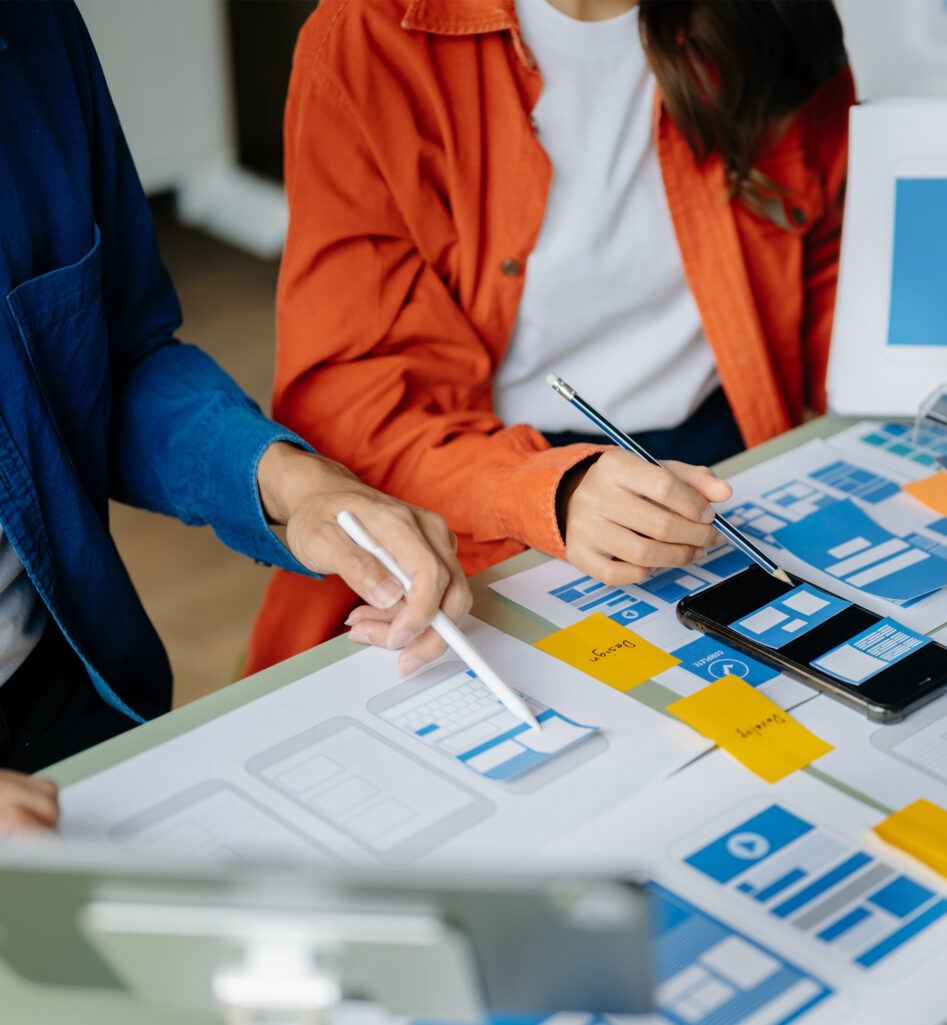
(680, 492)
(623, 518)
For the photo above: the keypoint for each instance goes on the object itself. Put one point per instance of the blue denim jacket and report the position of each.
(97, 398)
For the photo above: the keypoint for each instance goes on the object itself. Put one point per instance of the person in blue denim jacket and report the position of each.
(99, 400)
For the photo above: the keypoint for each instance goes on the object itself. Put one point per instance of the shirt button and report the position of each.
(798, 216)
(510, 267)
(534, 124)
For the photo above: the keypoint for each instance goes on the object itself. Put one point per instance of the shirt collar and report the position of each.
(460, 17)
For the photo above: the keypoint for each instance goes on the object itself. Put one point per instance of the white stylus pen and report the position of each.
(450, 633)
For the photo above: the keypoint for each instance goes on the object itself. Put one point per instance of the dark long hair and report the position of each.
(731, 72)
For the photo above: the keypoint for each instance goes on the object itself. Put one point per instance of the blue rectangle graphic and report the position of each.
(710, 659)
(780, 884)
(789, 617)
(901, 897)
(747, 845)
(918, 311)
(848, 544)
(844, 924)
(868, 653)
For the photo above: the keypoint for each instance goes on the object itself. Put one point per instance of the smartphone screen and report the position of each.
(823, 640)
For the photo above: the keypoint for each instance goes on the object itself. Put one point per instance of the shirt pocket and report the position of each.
(60, 317)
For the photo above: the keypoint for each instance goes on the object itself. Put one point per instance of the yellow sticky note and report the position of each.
(932, 491)
(608, 651)
(755, 730)
(921, 830)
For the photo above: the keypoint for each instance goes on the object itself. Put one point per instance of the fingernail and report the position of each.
(385, 594)
(407, 666)
(708, 515)
(700, 554)
(401, 637)
(358, 636)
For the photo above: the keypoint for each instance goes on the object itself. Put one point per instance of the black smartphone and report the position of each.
(868, 661)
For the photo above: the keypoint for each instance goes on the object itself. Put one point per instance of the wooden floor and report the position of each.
(201, 596)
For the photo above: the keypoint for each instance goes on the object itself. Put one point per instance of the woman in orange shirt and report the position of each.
(651, 209)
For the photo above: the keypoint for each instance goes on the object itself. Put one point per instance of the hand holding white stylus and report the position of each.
(450, 633)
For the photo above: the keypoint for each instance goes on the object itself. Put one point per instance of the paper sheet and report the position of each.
(893, 764)
(323, 769)
(757, 732)
(772, 875)
(888, 342)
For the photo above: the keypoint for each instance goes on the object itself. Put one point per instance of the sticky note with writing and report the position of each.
(921, 830)
(932, 491)
(608, 651)
(757, 732)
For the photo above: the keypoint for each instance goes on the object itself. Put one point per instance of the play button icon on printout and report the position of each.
(748, 846)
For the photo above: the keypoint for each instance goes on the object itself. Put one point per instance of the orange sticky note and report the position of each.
(921, 830)
(755, 730)
(608, 651)
(932, 491)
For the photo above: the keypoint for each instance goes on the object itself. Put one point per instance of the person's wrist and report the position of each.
(570, 480)
(287, 475)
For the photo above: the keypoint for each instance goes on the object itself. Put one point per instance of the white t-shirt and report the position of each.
(22, 613)
(605, 303)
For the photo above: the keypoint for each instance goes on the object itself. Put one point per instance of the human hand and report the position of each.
(306, 492)
(27, 802)
(622, 517)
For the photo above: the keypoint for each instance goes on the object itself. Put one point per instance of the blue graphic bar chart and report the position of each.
(857, 481)
(844, 899)
(897, 440)
(589, 595)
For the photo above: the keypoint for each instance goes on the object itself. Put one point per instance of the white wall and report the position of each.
(897, 47)
(167, 66)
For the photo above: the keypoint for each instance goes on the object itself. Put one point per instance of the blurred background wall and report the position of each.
(199, 86)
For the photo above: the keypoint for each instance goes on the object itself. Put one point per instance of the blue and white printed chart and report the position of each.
(461, 717)
(708, 973)
(848, 528)
(846, 543)
(790, 616)
(559, 592)
(852, 905)
(892, 446)
(709, 836)
(867, 654)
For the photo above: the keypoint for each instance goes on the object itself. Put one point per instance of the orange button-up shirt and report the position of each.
(417, 187)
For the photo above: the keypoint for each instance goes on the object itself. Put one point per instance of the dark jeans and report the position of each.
(50, 710)
(709, 435)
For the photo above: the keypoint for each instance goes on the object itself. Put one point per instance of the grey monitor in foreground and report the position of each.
(296, 940)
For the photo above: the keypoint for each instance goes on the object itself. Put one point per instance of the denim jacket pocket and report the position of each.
(60, 317)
